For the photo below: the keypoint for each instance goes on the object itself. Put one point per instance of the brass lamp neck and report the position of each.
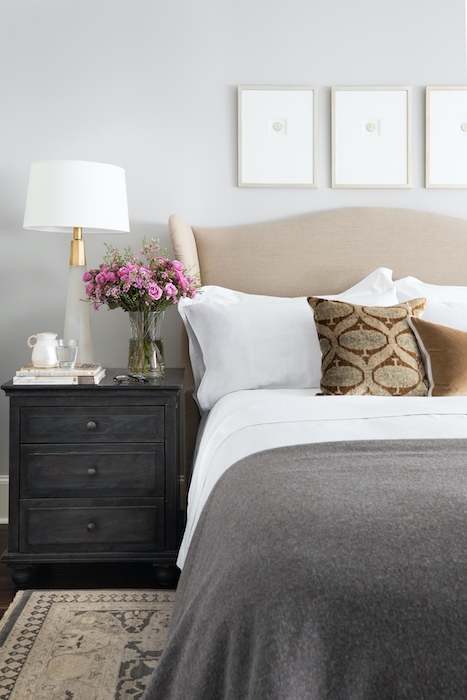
(77, 250)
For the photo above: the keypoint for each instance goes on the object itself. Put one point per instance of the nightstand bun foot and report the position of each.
(166, 576)
(22, 576)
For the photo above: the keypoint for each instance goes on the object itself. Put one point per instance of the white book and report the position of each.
(83, 370)
(39, 380)
(45, 380)
(97, 378)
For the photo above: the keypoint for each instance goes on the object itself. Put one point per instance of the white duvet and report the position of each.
(245, 422)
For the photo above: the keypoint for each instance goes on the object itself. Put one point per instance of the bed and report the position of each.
(325, 549)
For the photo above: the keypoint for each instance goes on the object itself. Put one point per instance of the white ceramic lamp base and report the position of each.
(78, 315)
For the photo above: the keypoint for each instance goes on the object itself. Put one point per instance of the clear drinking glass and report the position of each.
(67, 349)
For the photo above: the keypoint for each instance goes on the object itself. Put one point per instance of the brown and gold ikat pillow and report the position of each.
(369, 350)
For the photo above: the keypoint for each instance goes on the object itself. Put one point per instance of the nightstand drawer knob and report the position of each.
(91, 425)
(91, 527)
(91, 471)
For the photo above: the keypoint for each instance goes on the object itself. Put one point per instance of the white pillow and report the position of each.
(210, 295)
(445, 305)
(247, 341)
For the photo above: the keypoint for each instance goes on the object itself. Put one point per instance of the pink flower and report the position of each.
(87, 277)
(101, 278)
(154, 291)
(182, 280)
(170, 289)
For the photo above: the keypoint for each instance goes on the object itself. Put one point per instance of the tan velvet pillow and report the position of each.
(369, 349)
(444, 351)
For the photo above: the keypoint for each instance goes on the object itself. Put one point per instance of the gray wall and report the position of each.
(151, 86)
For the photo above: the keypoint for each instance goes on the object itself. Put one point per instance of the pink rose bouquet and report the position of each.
(127, 282)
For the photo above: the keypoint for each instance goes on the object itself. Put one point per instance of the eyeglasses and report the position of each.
(130, 379)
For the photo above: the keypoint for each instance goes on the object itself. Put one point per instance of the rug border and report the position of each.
(12, 613)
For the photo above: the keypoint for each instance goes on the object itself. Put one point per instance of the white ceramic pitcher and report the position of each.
(44, 349)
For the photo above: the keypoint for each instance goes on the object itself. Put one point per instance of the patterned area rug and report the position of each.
(82, 645)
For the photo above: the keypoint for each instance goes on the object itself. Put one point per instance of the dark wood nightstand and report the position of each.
(96, 473)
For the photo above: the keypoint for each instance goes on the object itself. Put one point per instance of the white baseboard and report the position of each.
(3, 499)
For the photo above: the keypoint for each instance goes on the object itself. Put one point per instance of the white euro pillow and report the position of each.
(247, 341)
(446, 305)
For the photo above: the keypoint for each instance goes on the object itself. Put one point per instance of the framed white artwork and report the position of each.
(371, 137)
(277, 129)
(446, 137)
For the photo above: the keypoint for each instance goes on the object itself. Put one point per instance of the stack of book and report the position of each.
(80, 374)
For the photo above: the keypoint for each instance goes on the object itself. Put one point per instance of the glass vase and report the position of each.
(146, 351)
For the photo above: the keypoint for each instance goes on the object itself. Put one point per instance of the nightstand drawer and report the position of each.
(90, 424)
(100, 526)
(58, 471)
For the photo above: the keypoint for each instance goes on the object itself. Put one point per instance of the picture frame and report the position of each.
(277, 136)
(446, 136)
(371, 136)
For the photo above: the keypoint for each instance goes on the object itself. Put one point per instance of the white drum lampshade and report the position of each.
(70, 196)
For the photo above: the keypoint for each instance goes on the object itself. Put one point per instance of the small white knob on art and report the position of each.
(371, 126)
(277, 126)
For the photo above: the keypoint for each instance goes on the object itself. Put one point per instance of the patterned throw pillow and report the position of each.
(369, 349)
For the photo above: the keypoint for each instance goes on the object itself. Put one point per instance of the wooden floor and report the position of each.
(75, 576)
(7, 588)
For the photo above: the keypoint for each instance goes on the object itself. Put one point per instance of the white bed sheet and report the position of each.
(246, 422)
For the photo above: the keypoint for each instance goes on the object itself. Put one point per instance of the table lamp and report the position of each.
(71, 196)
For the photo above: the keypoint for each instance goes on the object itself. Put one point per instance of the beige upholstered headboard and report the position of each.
(322, 253)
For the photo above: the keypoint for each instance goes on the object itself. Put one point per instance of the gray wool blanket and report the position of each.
(328, 571)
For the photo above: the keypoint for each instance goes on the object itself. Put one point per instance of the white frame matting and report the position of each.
(446, 137)
(277, 128)
(371, 136)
